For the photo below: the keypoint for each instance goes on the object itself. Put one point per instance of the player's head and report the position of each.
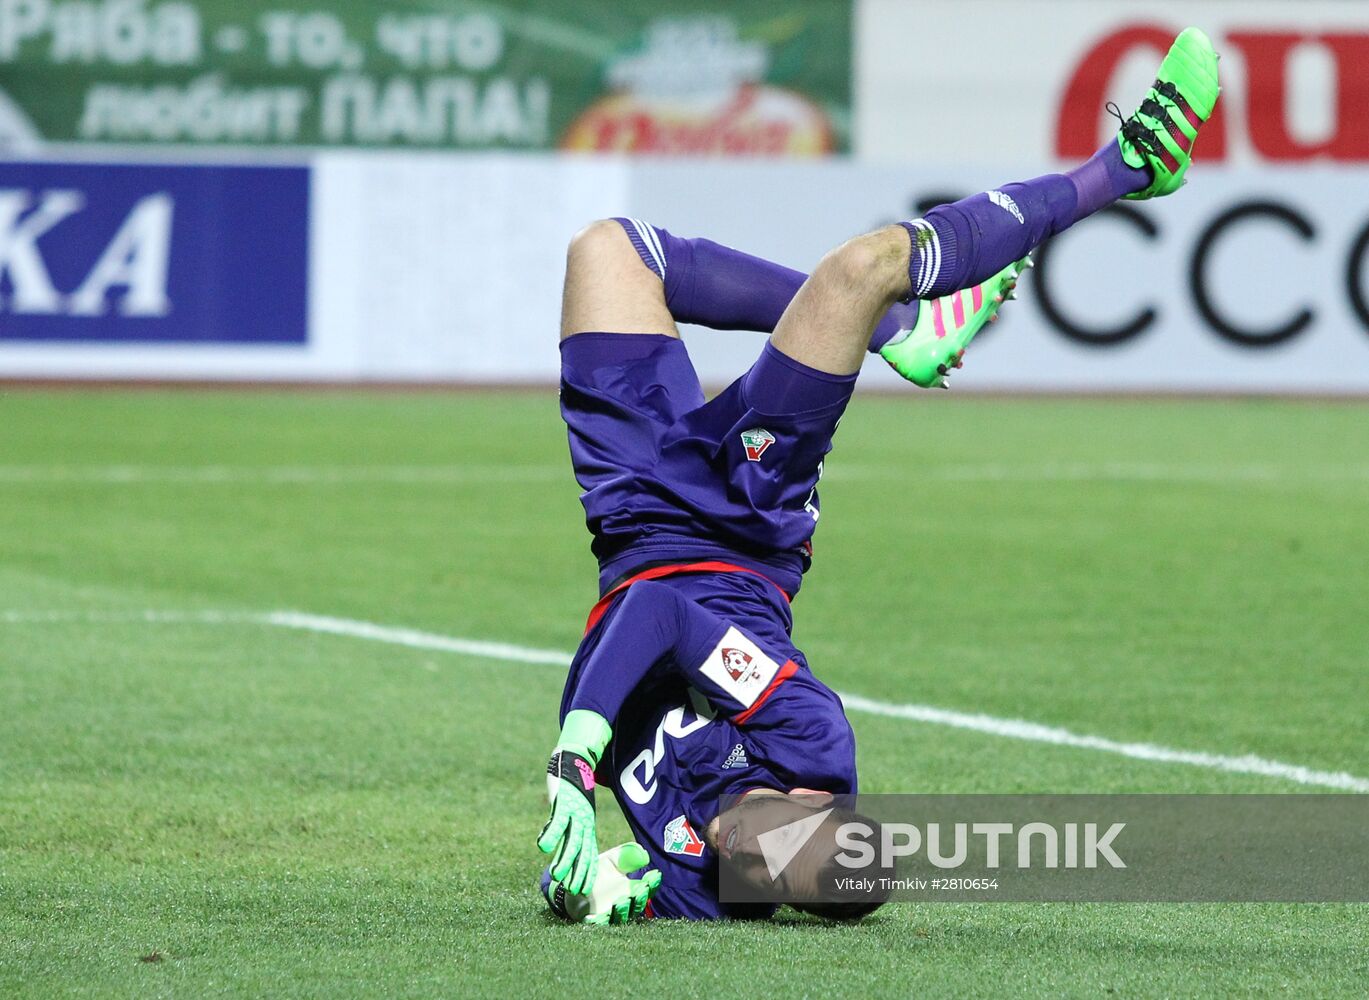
(784, 846)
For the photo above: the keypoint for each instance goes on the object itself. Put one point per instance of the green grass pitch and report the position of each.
(217, 807)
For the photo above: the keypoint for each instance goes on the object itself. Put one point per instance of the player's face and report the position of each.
(762, 811)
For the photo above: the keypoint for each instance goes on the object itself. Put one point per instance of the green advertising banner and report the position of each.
(741, 77)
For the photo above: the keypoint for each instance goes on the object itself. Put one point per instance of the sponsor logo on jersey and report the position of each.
(680, 838)
(756, 441)
(737, 758)
(738, 666)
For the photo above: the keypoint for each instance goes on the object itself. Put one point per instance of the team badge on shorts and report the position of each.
(680, 838)
(755, 441)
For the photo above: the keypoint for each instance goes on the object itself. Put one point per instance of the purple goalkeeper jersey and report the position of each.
(668, 767)
(674, 753)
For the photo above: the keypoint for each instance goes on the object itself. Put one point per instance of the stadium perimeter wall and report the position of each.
(347, 265)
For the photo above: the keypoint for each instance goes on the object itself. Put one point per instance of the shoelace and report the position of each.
(1134, 130)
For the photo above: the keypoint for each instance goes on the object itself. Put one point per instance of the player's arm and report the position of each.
(579, 884)
(569, 835)
(652, 629)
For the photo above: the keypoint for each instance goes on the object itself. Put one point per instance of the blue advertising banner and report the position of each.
(137, 253)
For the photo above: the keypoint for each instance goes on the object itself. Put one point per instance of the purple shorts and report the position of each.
(670, 477)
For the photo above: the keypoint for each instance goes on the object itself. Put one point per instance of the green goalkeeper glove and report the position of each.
(569, 833)
(615, 898)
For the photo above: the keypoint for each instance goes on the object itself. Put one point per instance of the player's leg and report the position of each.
(716, 286)
(828, 324)
(607, 290)
(619, 349)
(726, 289)
(954, 246)
(958, 246)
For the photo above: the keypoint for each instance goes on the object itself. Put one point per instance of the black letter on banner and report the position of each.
(1197, 273)
(1102, 336)
(1352, 272)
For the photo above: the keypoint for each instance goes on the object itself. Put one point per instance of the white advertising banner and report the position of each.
(991, 81)
(1246, 281)
(390, 266)
(440, 268)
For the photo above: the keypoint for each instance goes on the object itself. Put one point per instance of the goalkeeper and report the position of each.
(687, 685)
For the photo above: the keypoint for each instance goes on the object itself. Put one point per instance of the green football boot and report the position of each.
(1160, 135)
(926, 354)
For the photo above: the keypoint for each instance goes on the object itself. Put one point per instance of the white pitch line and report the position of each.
(304, 622)
(413, 638)
(1018, 729)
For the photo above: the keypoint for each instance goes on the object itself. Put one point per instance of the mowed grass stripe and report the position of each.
(1019, 729)
(345, 475)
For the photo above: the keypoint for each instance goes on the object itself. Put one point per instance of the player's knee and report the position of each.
(870, 262)
(600, 240)
(849, 263)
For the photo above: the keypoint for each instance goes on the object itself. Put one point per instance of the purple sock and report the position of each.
(1103, 178)
(959, 245)
(725, 289)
